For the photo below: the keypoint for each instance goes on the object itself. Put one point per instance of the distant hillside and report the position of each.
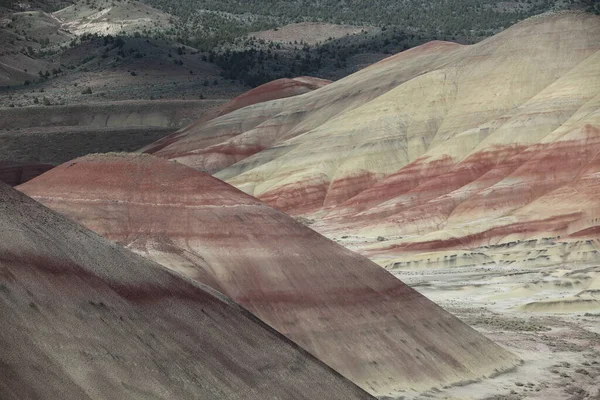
(254, 42)
(112, 17)
(220, 27)
(434, 18)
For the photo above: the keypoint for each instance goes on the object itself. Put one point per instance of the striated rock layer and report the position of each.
(264, 127)
(344, 309)
(439, 147)
(83, 318)
(202, 134)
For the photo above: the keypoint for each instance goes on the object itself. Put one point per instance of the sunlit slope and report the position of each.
(108, 17)
(488, 143)
(497, 97)
(547, 188)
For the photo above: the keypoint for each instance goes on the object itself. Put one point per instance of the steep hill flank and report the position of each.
(442, 146)
(84, 318)
(339, 306)
(442, 115)
(236, 136)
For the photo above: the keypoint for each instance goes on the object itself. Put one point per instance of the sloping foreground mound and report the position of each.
(344, 309)
(278, 89)
(83, 318)
(16, 173)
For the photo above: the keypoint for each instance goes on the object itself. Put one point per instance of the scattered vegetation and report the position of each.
(218, 28)
(216, 31)
(433, 19)
(563, 284)
(517, 325)
(576, 392)
(591, 315)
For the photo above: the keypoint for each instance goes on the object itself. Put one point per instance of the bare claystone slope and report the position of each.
(342, 308)
(439, 147)
(83, 318)
(178, 142)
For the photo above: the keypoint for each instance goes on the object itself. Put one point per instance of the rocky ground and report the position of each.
(545, 311)
(560, 350)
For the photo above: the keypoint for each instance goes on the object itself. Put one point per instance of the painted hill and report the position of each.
(439, 147)
(264, 127)
(278, 89)
(344, 309)
(84, 318)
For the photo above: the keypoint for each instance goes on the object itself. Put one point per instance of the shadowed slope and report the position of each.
(341, 307)
(83, 318)
(16, 173)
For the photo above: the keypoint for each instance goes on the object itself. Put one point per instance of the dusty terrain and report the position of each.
(67, 91)
(471, 173)
(278, 89)
(109, 17)
(548, 314)
(466, 171)
(560, 350)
